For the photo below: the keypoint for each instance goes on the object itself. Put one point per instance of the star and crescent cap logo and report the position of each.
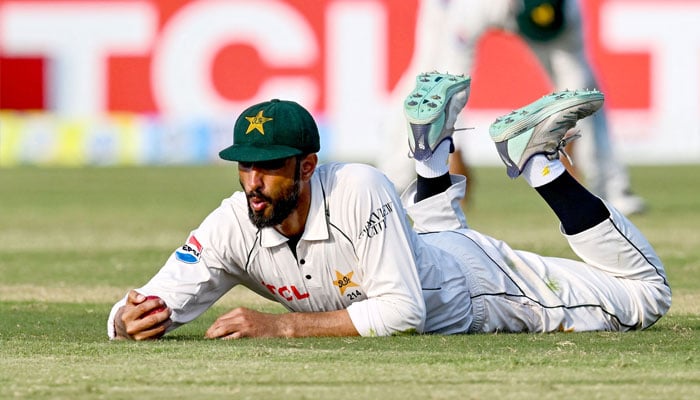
(257, 122)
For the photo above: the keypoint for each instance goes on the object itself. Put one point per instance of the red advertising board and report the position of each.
(211, 58)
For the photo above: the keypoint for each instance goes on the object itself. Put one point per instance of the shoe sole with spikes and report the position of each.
(431, 110)
(542, 127)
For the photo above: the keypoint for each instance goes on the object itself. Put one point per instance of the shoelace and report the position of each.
(573, 133)
(570, 135)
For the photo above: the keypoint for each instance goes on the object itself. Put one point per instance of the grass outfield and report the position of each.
(75, 240)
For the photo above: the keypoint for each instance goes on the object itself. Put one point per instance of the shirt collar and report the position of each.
(316, 227)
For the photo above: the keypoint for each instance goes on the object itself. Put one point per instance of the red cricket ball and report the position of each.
(156, 310)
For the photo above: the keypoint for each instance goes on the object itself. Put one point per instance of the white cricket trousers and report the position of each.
(619, 284)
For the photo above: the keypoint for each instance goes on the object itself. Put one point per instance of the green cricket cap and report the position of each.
(272, 130)
(541, 20)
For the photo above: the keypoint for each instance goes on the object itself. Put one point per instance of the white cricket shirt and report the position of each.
(357, 252)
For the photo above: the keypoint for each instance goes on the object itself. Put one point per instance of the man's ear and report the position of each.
(308, 166)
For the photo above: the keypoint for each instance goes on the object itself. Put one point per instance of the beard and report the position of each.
(281, 207)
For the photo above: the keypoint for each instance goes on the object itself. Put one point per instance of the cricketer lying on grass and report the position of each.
(334, 245)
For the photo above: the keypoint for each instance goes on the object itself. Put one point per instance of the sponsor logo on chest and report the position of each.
(287, 292)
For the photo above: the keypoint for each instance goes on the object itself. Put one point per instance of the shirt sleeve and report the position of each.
(195, 275)
(384, 244)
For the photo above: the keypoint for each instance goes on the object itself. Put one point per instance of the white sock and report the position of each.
(437, 164)
(540, 170)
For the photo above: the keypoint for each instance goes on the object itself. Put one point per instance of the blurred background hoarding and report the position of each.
(162, 81)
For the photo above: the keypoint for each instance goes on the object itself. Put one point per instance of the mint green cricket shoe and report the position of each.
(431, 110)
(542, 127)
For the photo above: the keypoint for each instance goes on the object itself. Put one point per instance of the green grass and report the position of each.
(75, 240)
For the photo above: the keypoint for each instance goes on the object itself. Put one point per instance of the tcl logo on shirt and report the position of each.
(289, 293)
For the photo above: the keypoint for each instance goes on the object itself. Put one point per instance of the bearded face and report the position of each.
(272, 206)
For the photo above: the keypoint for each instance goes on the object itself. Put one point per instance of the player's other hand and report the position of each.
(142, 318)
(243, 322)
